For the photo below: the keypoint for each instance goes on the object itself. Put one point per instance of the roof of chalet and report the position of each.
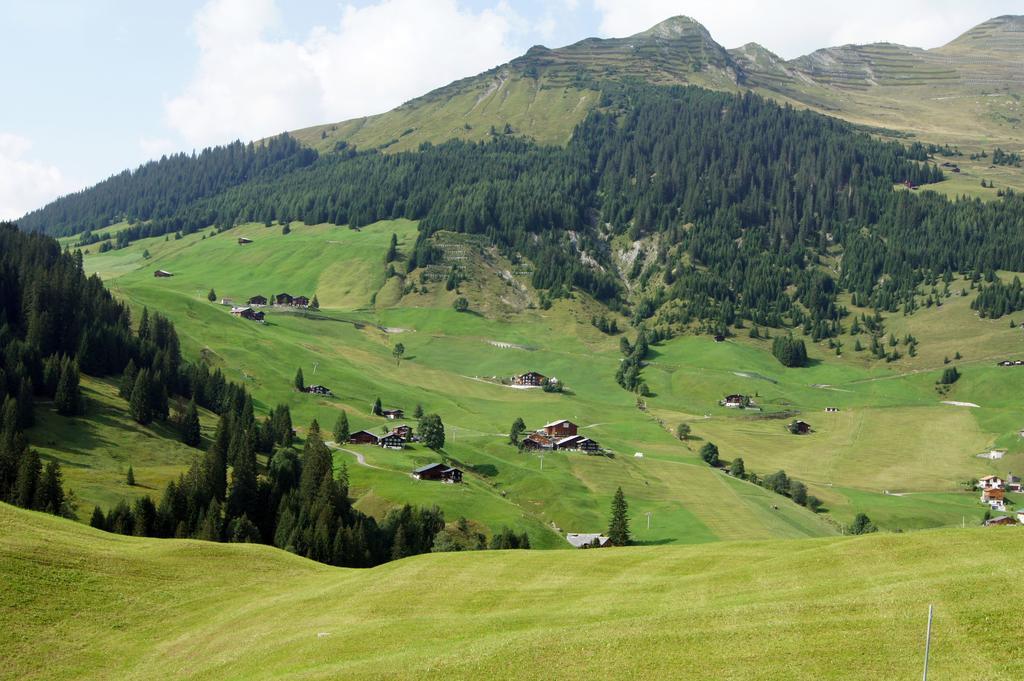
(580, 539)
(555, 423)
(570, 438)
(990, 477)
(368, 432)
(236, 310)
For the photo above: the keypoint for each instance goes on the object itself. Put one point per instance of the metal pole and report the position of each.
(927, 643)
(542, 462)
(648, 514)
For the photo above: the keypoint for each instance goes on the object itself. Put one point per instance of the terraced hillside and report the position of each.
(77, 603)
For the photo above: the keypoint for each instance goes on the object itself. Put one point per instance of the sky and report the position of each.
(92, 88)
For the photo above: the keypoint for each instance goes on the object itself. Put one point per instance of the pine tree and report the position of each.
(140, 405)
(618, 525)
(516, 431)
(341, 428)
(314, 304)
(417, 413)
(130, 477)
(28, 479)
(211, 296)
(300, 382)
(67, 398)
(190, 430)
(128, 377)
(377, 408)
(97, 520)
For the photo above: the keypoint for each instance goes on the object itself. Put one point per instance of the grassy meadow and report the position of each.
(893, 450)
(79, 603)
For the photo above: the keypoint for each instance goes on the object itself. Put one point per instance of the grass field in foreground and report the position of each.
(77, 603)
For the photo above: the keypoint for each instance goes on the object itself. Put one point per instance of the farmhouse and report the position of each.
(799, 427)
(577, 443)
(560, 429)
(831, 410)
(258, 301)
(162, 273)
(588, 541)
(538, 442)
(1013, 483)
(317, 389)
(242, 240)
(529, 378)
(735, 401)
(363, 437)
(392, 441)
(995, 498)
(438, 471)
(405, 432)
(247, 313)
(300, 301)
(990, 482)
(1000, 520)
(392, 414)
(227, 301)
(283, 299)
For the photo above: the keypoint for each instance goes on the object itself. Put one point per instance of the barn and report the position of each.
(363, 437)
(560, 429)
(439, 472)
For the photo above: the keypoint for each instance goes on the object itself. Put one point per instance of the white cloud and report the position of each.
(249, 84)
(25, 184)
(797, 27)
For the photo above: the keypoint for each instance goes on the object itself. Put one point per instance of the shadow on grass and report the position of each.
(652, 542)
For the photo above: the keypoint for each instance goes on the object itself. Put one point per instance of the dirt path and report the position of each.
(359, 456)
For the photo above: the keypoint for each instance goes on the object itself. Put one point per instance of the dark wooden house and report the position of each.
(438, 471)
(300, 301)
(392, 414)
(560, 429)
(242, 240)
(247, 313)
(529, 378)
(538, 442)
(318, 389)
(405, 432)
(363, 437)
(799, 427)
(392, 440)
(162, 273)
(283, 299)
(258, 300)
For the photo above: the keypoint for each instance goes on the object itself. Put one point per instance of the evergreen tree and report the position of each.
(341, 428)
(140, 406)
(461, 304)
(68, 398)
(97, 520)
(300, 382)
(130, 477)
(417, 413)
(315, 303)
(27, 482)
(618, 524)
(377, 408)
(128, 377)
(190, 430)
(211, 296)
(515, 433)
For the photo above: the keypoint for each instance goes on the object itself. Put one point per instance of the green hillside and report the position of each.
(77, 603)
(891, 437)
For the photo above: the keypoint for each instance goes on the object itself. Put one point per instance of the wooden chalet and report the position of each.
(438, 471)
(994, 494)
(363, 437)
(538, 442)
(392, 414)
(799, 427)
(258, 301)
(227, 302)
(247, 313)
(588, 541)
(529, 378)
(283, 299)
(560, 429)
(317, 389)
(392, 440)
(162, 273)
(577, 443)
(1013, 483)
(405, 432)
(735, 401)
(300, 301)
(242, 240)
(991, 482)
(1001, 520)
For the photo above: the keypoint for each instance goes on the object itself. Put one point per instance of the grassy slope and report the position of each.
(891, 435)
(76, 603)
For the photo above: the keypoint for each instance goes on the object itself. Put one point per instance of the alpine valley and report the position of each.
(752, 305)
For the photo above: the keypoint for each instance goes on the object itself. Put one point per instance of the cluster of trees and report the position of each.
(463, 536)
(777, 482)
(628, 373)
(1005, 158)
(605, 324)
(791, 352)
(998, 299)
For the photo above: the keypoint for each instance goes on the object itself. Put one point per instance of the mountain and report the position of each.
(965, 93)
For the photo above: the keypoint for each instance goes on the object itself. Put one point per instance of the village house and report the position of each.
(995, 498)
(363, 437)
(538, 442)
(405, 432)
(229, 302)
(300, 301)
(831, 410)
(1000, 520)
(735, 401)
(560, 429)
(1013, 483)
(531, 378)
(258, 301)
(318, 389)
(242, 240)
(799, 427)
(588, 541)
(438, 471)
(283, 299)
(577, 443)
(392, 414)
(162, 273)
(392, 440)
(247, 313)
(990, 482)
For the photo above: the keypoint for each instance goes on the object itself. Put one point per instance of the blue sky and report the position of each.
(94, 87)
